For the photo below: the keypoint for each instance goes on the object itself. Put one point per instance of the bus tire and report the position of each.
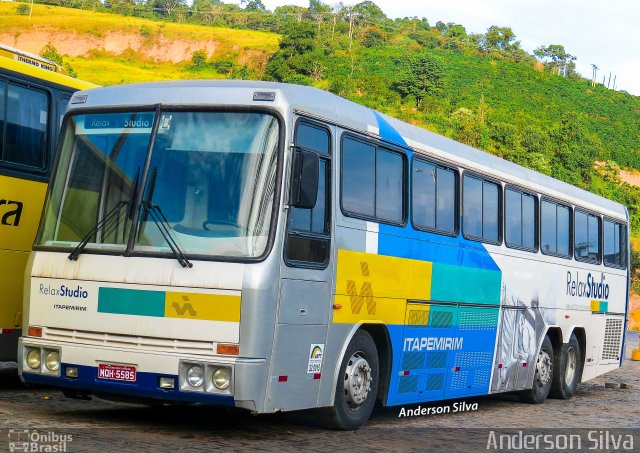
(356, 386)
(543, 377)
(567, 370)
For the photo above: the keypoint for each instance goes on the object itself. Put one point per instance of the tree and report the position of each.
(456, 31)
(298, 57)
(556, 58)
(423, 76)
(254, 5)
(500, 38)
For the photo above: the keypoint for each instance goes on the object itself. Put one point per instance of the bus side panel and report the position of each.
(439, 299)
(20, 208)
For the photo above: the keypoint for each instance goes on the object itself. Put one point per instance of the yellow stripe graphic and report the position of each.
(210, 307)
(375, 288)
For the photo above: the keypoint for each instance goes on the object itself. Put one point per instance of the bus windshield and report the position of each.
(210, 178)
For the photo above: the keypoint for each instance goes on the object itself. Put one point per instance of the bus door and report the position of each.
(305, 303)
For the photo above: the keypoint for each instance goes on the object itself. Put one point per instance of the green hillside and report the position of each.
(480, 89)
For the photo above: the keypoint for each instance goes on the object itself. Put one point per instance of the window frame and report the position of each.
(457, 201)
(328, 158)
(490, 180)
(386, 147)
(623, 252)
(537, 228)
(600, 235)
(544, 198)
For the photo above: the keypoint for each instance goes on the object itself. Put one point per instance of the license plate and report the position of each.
(116, 372)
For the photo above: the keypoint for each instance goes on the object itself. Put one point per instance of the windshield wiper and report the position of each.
(163, 225)
(106, 221)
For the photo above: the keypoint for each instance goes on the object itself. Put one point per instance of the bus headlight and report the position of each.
(221, 378)
(33, 358)
(195, 376)
(52, 361)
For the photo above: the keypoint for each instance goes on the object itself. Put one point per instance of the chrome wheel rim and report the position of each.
(357, 380)
(570, 369)
(543, 368)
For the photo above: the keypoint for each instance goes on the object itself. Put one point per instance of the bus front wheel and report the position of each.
(357, 384)
(543, 377)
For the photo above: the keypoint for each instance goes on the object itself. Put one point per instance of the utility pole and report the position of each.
(595, 71)
(614, 82)
(609, 82)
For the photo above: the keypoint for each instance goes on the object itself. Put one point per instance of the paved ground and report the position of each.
(103, 426)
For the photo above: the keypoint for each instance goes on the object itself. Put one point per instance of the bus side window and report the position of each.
(520, 220)
(27, 115)
(614, 244)
(481, 212)
(433, 197)
(309, 229)
(555, 229)
(587, 237)
(373, 181)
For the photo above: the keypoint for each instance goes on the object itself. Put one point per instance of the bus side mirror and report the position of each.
(305, 177)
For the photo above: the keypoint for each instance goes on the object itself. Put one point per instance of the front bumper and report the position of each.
(150, 367)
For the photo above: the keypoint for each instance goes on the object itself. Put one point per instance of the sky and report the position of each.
(604, 33)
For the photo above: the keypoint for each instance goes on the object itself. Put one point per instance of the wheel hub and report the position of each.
(357, 380)
(543, 368)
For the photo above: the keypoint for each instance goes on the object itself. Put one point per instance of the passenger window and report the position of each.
(308, 233)
(555, 229)
(481, 213)
(433, 195)
(615, 238)
(520, 220)
(389, 185)
(587, 237)
(27, 114)
(372, 181)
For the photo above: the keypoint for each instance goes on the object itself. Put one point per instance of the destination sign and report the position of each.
(137, 120)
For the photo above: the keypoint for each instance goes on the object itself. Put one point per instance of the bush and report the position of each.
(23, 9)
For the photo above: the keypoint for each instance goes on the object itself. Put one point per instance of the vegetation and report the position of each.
(480, 89)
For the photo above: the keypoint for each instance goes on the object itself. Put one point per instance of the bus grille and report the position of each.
(131, 341)
(612, 339)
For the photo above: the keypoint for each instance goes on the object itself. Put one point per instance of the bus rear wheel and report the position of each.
(543, 377)
(357, 384)
(568, 366)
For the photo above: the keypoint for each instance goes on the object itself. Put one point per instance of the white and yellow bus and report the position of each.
(33, 98)
(275, 247)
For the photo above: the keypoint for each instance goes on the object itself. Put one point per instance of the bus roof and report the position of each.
(347, 114)
(43, 74)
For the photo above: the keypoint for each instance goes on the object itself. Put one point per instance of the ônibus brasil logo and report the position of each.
(64, 291)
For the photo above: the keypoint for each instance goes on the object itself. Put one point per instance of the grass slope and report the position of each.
(144, 59)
